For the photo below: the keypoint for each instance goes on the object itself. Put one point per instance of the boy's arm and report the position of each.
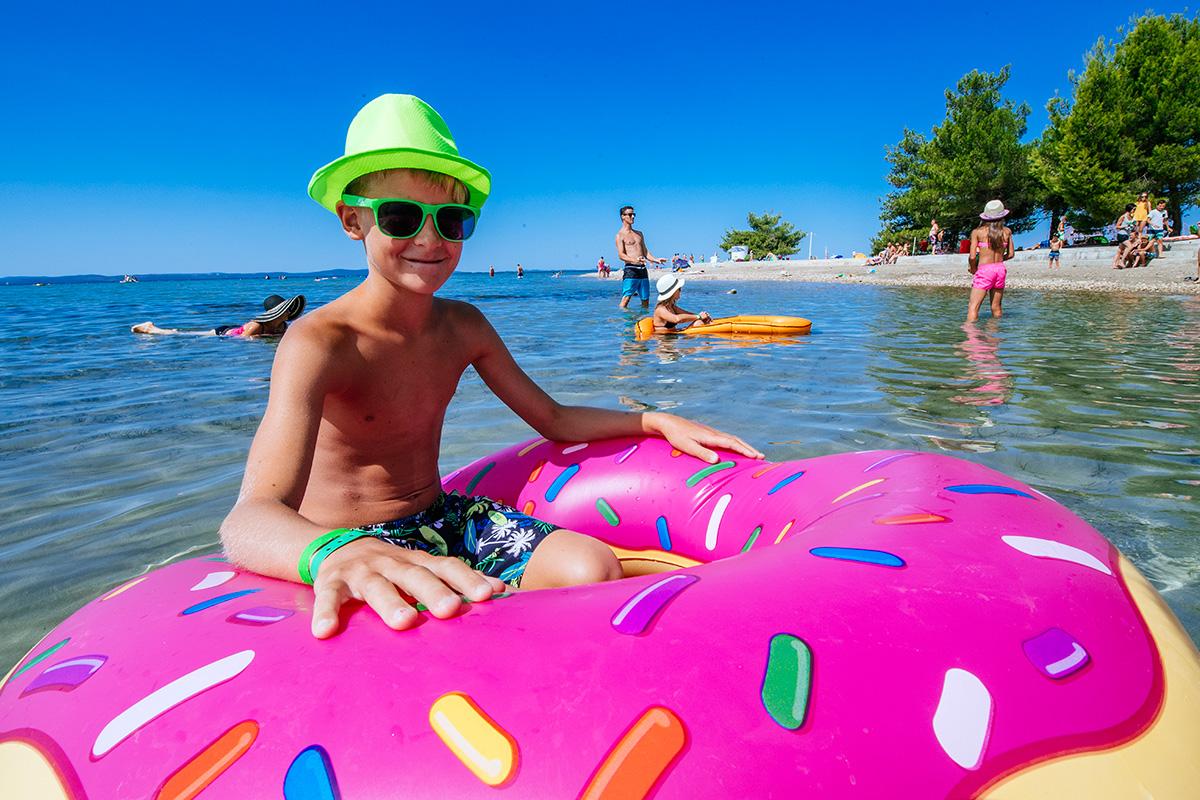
(557, 422)
(266, 533)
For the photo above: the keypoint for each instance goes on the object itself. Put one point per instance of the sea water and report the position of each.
(122, 452)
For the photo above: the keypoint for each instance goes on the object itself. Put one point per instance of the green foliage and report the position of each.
(767, 234)
(974, 156)
(1132, 125)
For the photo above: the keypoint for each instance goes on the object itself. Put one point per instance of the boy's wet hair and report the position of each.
(363, 185)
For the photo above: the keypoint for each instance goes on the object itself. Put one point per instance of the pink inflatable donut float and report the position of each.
(884, 624)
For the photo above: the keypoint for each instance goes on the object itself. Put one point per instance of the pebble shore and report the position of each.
(1083, 269)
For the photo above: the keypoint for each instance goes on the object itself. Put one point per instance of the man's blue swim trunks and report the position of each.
(486, 535)
(636, 287)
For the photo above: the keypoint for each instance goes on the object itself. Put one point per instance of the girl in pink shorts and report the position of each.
(991, 246)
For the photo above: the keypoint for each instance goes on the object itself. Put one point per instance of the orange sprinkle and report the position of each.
(910, 519)
(765, 470)
(528, 508)
(640, 758)
(194, 776)
(537, 470)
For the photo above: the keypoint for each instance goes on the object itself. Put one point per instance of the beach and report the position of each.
(1083, 269)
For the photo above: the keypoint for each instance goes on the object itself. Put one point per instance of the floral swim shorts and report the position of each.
(486, 535)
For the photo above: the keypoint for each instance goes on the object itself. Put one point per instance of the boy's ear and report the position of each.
(351, 221)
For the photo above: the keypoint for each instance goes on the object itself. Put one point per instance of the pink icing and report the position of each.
(957, 631)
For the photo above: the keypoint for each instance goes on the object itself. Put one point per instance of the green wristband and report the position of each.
(324, 550)
(316, 544)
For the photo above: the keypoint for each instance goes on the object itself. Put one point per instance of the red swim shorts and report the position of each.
(990, 276)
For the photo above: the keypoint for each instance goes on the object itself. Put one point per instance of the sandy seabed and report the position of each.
(1083, 269)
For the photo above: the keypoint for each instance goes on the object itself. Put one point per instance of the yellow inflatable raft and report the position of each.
(745, 324)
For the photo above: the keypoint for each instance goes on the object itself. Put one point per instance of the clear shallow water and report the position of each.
(120, 452)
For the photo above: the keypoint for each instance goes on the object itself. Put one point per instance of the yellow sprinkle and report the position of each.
(858, 489)
(538, 443)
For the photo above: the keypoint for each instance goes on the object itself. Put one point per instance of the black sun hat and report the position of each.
(275, 307)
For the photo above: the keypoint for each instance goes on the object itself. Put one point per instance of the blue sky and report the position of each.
(174, 137)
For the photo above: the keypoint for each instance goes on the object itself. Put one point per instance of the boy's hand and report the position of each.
(694, 438)
(376, 573)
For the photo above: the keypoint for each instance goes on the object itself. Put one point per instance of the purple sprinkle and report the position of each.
(889, 460)
(1056, 653)
(626, 453)
(638, 612)
(66, 675)
(261, 615)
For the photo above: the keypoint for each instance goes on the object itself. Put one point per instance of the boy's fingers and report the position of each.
(326, 605)
(431, 591)
(471, 584)
(381, 594)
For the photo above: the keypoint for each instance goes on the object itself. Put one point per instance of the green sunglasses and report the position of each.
(403, 219)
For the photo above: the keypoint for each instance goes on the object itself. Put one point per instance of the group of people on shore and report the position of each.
(888, 255)
(1140, 233)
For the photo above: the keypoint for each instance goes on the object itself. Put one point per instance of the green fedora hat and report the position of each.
(397, 130)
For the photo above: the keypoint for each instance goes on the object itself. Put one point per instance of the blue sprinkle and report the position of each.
(217, 601)
(987, 488)
(854, 554)
(310, 777)
(664, 535)
(560, 482)
(784, 483)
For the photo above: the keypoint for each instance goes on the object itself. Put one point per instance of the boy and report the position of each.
(359, 391)
(1055, 250)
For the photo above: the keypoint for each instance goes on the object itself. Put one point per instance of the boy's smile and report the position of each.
(422, 263)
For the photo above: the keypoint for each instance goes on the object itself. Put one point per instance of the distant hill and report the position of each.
(25, 280)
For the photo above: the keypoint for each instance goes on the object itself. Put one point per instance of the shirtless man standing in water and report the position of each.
(631, 249)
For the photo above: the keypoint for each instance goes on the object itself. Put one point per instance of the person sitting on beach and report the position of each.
(881, 257)
(1132, 253)
(1055, 250)
(990, 246)
(342, 488)
(667, 314)
(277, 313)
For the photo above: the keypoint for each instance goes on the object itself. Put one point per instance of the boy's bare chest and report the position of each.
(400, 389)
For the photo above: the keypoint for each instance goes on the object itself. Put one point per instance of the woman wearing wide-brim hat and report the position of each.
(667, 313)
(277, 313)
(991, 246)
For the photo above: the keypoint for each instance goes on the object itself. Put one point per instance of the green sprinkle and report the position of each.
(467, 600)
(607, 512)
(478, 477)
(788, 681)
(753, 537)
(41, 657)
(704, 473)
